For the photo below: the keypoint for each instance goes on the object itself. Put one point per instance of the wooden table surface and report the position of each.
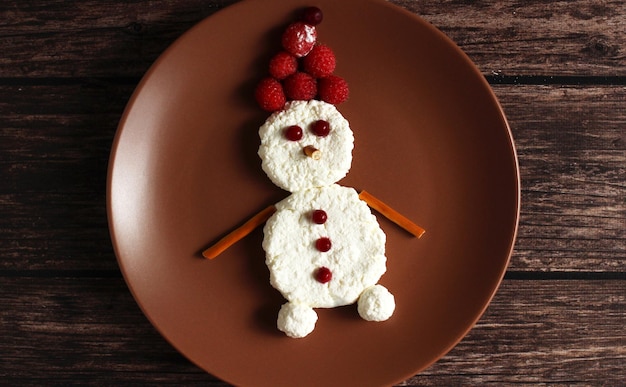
(67, 69)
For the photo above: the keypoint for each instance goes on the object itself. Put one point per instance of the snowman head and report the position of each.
(307, 144)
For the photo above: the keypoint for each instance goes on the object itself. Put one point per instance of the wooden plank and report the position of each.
(116, 38)
(83, 331)
(55, 142)
(92, 38)
(535, 332)
(89, 331)
(534, 37)
(574, 135)
(54, 149)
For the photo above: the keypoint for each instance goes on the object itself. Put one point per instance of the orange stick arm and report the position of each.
(238, 233)
(391, 214)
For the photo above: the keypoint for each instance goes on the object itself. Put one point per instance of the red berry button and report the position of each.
(293, 133)
(321, 128)
(319, 216)
(323, 244)
(323, 275)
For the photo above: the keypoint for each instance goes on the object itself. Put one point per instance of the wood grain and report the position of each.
(92, 38)
(571, 143)
(83, 331)
(542, 332)
(54, 149)
(536, 37)
(89, 331)
(121, 39)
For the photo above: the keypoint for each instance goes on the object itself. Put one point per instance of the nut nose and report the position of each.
(312, 152)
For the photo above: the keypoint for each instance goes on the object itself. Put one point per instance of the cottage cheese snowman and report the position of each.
(324, 247)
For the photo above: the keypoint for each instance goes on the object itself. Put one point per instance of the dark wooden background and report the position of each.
(67, 69)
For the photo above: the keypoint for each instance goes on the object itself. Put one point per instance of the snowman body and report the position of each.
(346, 267)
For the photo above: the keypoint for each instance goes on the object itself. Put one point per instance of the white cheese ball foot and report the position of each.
(376, 304)
(296, 320)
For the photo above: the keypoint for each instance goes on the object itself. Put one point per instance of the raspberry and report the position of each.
(320, 62)
(283, 65)
(333, 89)
(299, 38)
(269, 95)
(300, 86)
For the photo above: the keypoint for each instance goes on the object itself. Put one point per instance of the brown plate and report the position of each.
(431, 140)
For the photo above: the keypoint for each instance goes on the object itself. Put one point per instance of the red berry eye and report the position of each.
(321, 128)
(293, 133)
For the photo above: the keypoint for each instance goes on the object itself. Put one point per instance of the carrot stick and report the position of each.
(391, 214)
(238, 233)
